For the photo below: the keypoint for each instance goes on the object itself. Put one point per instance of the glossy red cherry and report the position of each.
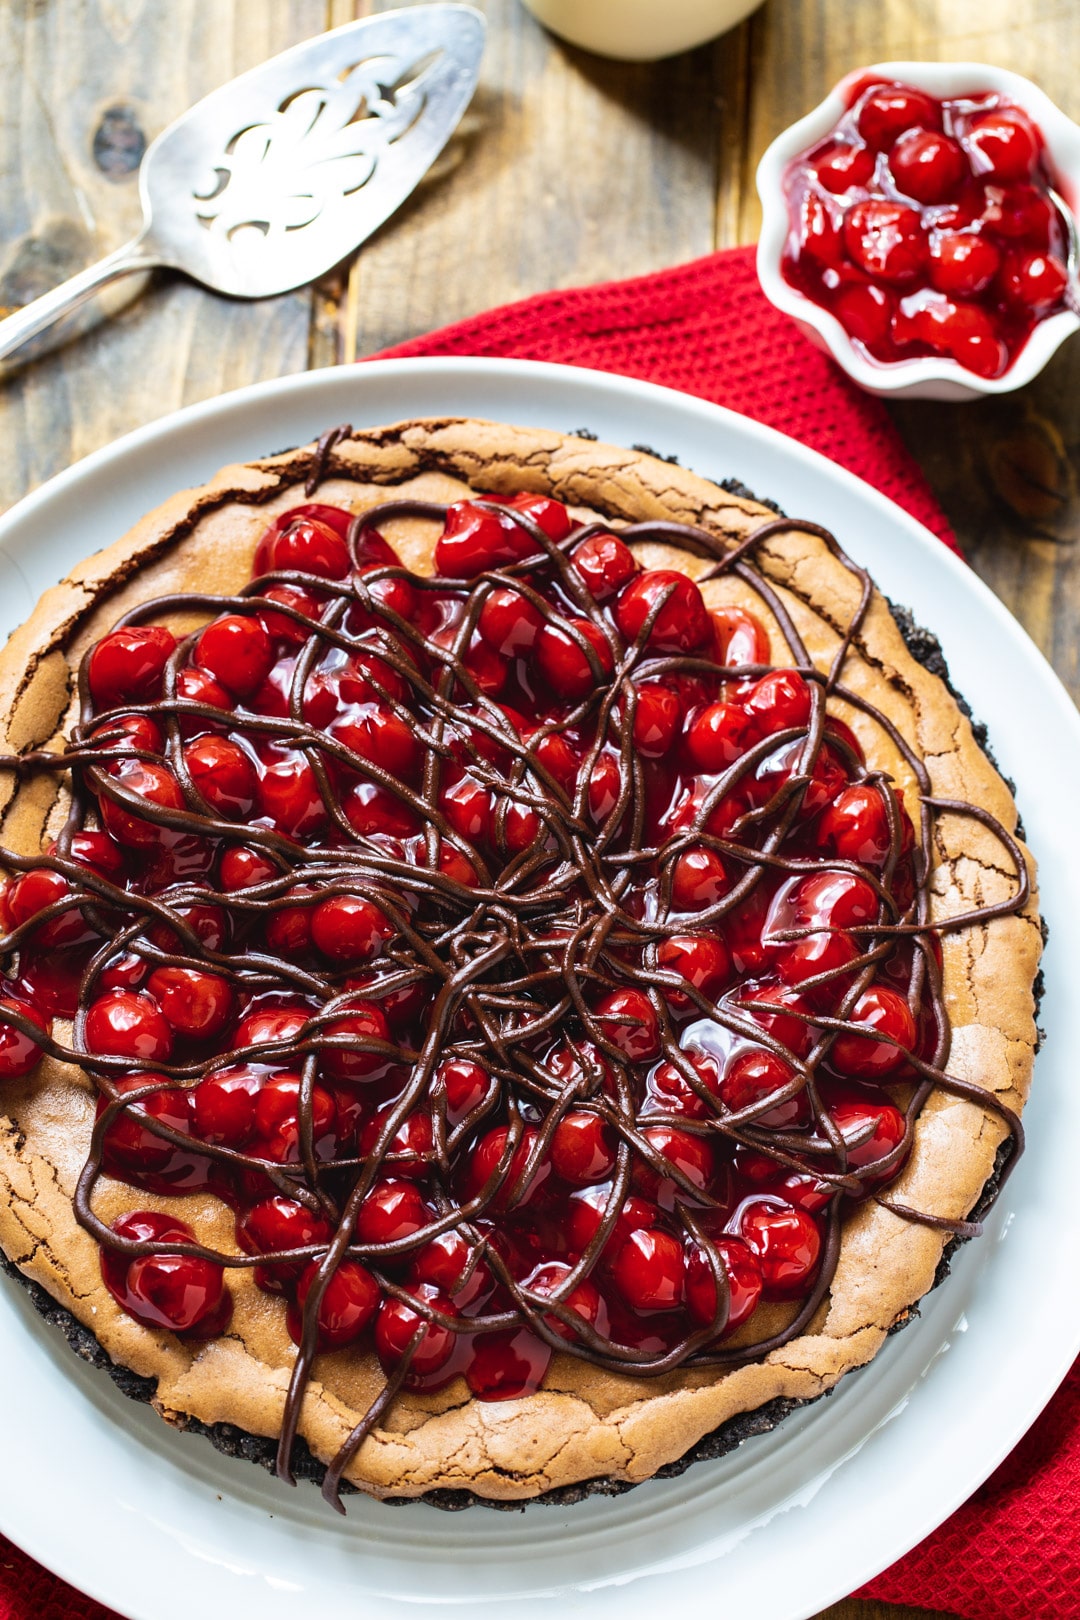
(703, 960)
(1020, 212)
(266, 1024)
(409, 1150)
(584, 1301)
(304, 544)
(509, 622)
(843, 166)
(477, 538)
(236, 651)
(31, 893)
(871, 1130)
(288, 931)
(786, 1244)
(927, 165)
(817, 230)
(243, 868)
(673, 1093)
(128, 1146)
(827, 901)
(740, 638)
(393, 1210)
(469, 807)
(744, 1282)
(128, 1023)
(126, 666)
(126, 734)
(699, 878)
(963, 330)
(693, 1156)
(605, 564)
(865, 312)
(1034, 281)
(274, 1226)
(778, 702)
(463, 1084)
(681, 624)
(182, 1293)
(197, 1005)
(961, 264)
(1004, 145)
(288, 793)
(19, 1052)
(585, 1214)
(605, 786)
(396, 1327)
(194, 685)
(362, 1022)
(756, 1074)
(551, 515)
(886, 239)
(564, 663)
(150, 781)
(371, 808)
(716, 737)
(379, 737)
(582, 1148)
(657, 719)
(628, 1020)
(282, 627)
(785, 1025)
(224, 775)
(277, 1120)
(346, 1309)
(451, 1265)
(513, 1191)
(223, 1104)
(648, 1271)
(890, 109)
(348, 928)
(856, 825)
(880, 1009)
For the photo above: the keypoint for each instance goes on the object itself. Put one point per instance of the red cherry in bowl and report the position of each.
(1004, 144)
(889, 109)
(927, 165)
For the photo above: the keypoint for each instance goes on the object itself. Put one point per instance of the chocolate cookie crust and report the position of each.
(583, 1424)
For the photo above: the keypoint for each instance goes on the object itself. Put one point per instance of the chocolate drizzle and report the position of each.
(514, 958)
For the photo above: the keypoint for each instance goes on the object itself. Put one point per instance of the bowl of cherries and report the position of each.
(919, 226)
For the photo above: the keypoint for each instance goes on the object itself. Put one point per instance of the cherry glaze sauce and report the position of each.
(925, 226)
(471, 938)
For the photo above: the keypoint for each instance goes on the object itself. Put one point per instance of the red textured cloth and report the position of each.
(1010, 1553)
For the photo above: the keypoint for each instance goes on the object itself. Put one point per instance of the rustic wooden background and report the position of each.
(566, 169)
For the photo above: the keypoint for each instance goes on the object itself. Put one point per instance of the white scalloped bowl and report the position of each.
(931, 377)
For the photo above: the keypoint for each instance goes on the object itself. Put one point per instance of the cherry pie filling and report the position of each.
(927, 227)
(529, 964)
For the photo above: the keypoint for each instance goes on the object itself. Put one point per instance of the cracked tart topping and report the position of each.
(530, 964)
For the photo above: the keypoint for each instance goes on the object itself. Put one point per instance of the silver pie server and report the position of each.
(277, 176)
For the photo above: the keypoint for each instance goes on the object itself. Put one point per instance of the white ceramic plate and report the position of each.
(160, 1527)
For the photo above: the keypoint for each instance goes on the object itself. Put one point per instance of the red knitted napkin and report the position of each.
(705, 328)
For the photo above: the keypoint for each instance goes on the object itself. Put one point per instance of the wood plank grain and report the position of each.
(566, 169)
(93, 81)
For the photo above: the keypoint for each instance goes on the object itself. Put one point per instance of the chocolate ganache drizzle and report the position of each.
(524, 940)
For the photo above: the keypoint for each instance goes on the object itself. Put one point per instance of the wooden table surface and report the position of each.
(567, 169)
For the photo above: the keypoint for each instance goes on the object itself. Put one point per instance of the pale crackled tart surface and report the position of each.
(433, 920)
